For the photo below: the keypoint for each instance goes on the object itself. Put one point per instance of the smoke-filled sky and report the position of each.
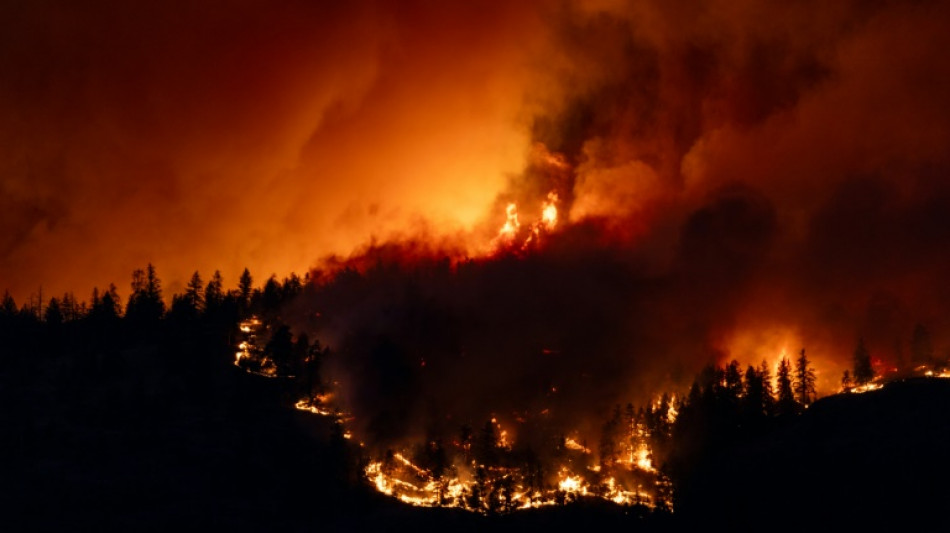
(780, 167)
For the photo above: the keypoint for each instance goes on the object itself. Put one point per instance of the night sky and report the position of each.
(779, 171)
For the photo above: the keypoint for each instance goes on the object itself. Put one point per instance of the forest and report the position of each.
(99, 390)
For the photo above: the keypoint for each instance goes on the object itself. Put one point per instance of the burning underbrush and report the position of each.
(486, 473)
(489, 382)
(250, 354)
(529, 460)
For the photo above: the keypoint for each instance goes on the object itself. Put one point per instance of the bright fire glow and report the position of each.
(513, 237)
(549, 211)
(572, 444)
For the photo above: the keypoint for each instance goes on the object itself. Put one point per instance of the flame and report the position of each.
(571, 483)
(511, 230)
(549, 211)
(572, 444)
(505, 488)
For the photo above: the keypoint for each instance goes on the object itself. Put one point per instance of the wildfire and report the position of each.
(549, 211)
(502, 485)
(511, 231)
(879, 382)
(572, 444)
(250, 356)
(571, 484)
(512, 225)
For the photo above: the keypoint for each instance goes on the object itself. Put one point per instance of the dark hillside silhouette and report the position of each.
(137, 417)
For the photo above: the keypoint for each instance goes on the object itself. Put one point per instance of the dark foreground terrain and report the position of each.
(142, 441)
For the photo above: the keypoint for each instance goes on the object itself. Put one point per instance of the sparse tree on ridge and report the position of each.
(244, 288)
(214, 294)
(8, 306)
(863, 370)
(193, 293)
(804, 380)
(846, 381)
(53, 314)
(786, 396)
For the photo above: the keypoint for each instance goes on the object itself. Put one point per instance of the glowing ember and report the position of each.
(572, 444)
(511, 226)
(511, 231)
(549, 211)
(500, 486)
(571, 484)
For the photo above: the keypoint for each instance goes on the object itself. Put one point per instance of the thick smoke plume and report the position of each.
(735, 180)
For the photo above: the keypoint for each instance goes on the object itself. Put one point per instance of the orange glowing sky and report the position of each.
(221, 135)
(224, 135)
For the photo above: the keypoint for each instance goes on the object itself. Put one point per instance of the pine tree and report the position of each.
(768, 392)
(786, 396)
(846, 381)
(145, 307)
(153, 288)
(244, 287)
(863, 371)
(110, 302)
(53, 314)
(271, 295)
(193, 294)
(8, 307)
(753, 399)
(732, 382)
(214, 294)
(610, 438)
(804, 380)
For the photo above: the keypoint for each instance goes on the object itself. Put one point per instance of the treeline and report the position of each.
(66, 323)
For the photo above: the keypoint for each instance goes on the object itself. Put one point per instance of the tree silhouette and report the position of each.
(732, 382)
(768, 392)
(610, 438)
(244, 289)
(280, 349)
(863, 371)
(804, 380)
(271, 296)
(753, 401)
(194, 295)
(214, 292)
(53, 314)
(846, 381)
(785, 402)
(145, 303)
(486, 446)
(8, 306)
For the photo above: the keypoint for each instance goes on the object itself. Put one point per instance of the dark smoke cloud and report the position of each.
(736, 178)
(741, 180)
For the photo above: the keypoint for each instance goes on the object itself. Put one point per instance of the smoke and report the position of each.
(237, 134)
(735, 179)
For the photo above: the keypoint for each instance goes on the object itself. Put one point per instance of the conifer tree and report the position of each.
(214, 292)
(193, 294)
(846, 381)
(244, 288)
(804, 380)
(786, 396)
(863, 371)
